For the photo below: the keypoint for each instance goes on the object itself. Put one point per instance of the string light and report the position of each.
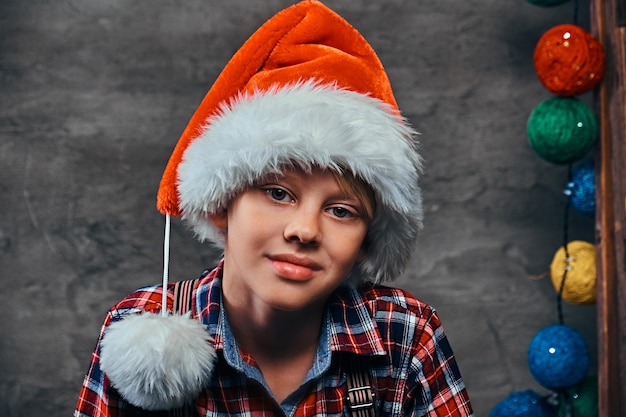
(562, 130)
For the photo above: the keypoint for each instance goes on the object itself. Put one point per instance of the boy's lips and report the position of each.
(294, 267)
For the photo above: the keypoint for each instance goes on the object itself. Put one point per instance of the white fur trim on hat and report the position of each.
(157, 362)
(310, 125)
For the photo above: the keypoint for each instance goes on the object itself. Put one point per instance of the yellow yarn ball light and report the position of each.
(580, 281)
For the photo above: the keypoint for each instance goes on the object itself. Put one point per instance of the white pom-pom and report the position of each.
(157, 362)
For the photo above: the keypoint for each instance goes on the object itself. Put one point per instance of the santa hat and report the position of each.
(305, 90)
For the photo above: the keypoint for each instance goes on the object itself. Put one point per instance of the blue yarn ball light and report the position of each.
(562, 129)
(526, 403)
(581, 190)
(558, 357)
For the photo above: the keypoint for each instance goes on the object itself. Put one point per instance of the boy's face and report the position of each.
(290, 241)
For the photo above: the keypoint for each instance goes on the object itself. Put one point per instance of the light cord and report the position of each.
(166, 264)
(568, 259)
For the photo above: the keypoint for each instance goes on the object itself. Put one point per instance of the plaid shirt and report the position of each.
(412, 366)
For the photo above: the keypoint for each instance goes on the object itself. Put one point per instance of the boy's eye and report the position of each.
(277, 194)
(341, 212)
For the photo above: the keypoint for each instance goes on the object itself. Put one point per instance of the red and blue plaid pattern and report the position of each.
(411, 363)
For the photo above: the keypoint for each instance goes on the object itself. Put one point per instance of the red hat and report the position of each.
(306, 88)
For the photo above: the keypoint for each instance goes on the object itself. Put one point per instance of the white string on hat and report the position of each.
(166, 264)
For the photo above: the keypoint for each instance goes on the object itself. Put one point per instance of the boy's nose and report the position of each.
(303, 226)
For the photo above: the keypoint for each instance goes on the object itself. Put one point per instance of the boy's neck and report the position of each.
(260, 331)
(283, 344)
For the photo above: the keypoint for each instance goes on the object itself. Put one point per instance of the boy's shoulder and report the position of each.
(379, 316)
(401, 299)
(145, 299)
(387, 303)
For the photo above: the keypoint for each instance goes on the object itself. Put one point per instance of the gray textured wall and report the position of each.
(93, 96)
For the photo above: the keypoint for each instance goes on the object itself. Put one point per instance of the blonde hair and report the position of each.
(350, 184)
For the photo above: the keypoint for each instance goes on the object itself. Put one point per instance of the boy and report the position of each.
(300, 166)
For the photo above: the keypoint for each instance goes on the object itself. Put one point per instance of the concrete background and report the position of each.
(94, 94)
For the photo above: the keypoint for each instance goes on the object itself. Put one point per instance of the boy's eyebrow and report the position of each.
(345, 195)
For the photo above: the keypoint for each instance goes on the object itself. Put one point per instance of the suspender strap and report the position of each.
(184, 411)
(361, 397)
(183, 296)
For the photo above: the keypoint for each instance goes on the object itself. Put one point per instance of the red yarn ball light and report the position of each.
(568, 60)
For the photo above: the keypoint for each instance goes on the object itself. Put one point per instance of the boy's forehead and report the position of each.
(297, 170)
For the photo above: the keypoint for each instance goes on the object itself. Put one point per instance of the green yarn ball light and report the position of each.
(582, 400)
(562, 129)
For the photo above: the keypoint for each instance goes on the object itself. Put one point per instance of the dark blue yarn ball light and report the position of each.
(558, 357)
(582, 188)
(526, 403)
(547, 3)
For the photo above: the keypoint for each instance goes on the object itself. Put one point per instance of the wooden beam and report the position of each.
(608, 22)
